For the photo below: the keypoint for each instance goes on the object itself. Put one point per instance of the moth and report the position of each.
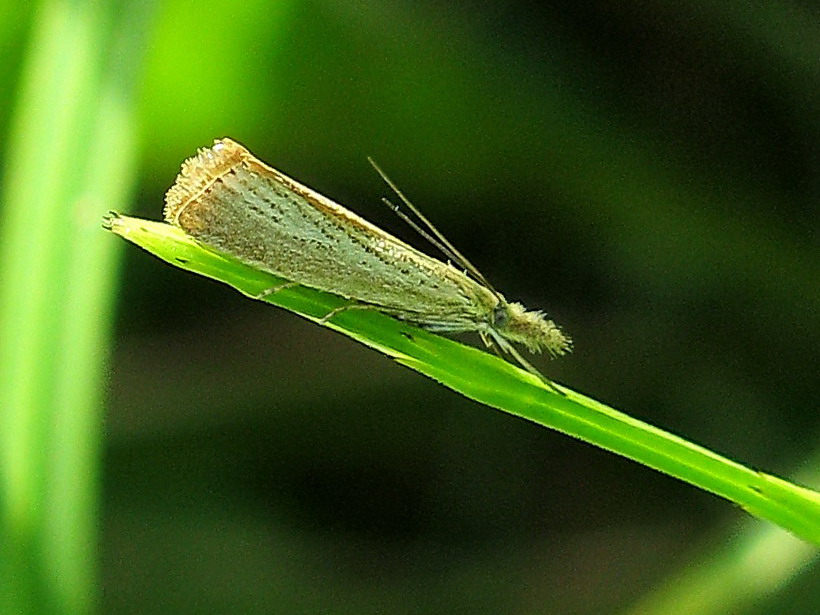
(228, 199)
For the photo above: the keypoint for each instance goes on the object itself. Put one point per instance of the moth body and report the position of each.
(228, 199)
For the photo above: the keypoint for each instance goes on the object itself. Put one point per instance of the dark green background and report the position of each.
(647, 173)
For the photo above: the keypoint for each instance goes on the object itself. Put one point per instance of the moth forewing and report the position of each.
(228, 199)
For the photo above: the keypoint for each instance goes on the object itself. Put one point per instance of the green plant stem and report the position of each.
(736, 576)
(70, 154)
(496, 383)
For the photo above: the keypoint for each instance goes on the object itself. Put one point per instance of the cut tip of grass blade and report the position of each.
(110, 220)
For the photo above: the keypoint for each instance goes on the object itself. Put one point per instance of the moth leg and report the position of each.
(344, 308)
(275, 289)
(489, 343)
(509, 348)
(450, 328)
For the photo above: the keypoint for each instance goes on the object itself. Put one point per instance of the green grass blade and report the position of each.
(70, 154)
(496, 383)
(739, 575)
(735, 578)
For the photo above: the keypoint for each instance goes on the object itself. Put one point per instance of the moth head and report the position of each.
(532, 329)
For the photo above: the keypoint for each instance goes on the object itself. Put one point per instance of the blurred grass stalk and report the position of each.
(70, 156)
(737, 575)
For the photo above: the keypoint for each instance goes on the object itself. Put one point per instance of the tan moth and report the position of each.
(228, 199)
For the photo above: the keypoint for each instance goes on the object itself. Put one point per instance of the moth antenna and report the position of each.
(459, 257)
(412, 224)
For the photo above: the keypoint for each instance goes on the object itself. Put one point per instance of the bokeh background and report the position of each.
(646, 172)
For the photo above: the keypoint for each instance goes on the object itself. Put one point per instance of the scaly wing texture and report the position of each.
(229, 200)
